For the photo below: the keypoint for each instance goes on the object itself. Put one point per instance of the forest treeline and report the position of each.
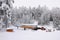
(41, 14)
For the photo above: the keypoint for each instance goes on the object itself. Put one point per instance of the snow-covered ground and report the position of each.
(20, 34)
(29, 35)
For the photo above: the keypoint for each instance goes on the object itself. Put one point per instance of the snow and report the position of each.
(20, 34)
(29, 35)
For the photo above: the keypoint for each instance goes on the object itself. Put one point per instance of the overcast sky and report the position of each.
(35, 3)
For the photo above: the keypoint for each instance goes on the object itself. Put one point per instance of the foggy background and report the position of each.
(34, 3)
